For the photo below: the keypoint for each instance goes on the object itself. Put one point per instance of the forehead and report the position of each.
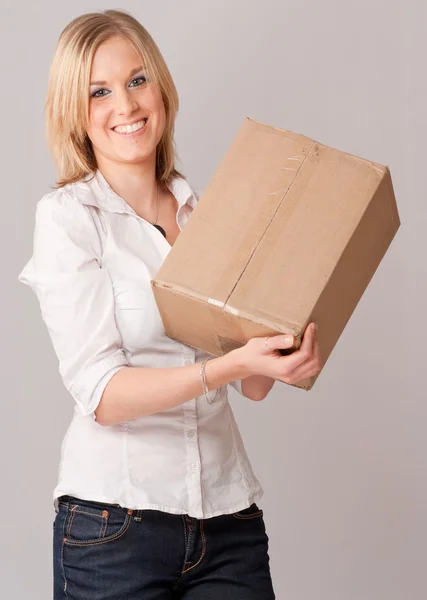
(114, 58)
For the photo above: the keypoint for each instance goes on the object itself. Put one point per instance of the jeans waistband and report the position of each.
(67, 498)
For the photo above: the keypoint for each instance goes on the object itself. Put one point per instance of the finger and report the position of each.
(308, 369)
(305, 351)
(308, 339)
(316, 349)
(280, 342)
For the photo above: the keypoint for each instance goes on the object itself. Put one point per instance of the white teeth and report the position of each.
(130, 128)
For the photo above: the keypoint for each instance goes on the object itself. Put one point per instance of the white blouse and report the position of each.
(92, 262)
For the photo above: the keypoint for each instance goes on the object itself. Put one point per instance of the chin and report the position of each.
(135, 157)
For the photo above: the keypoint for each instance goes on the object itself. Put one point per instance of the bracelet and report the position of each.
(204, 385)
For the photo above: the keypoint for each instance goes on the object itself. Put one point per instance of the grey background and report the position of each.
(343, 466)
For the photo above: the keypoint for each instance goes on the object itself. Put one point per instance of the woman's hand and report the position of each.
(302, 363)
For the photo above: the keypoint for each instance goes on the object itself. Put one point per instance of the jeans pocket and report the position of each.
(252, 512)
(88, 523)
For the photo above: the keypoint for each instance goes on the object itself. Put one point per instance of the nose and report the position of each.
(125, 103)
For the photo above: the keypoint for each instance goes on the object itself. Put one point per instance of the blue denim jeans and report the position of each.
(104, 551)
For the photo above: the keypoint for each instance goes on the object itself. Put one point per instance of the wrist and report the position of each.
(223, 369)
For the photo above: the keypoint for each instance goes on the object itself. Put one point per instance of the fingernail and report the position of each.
(289, 339)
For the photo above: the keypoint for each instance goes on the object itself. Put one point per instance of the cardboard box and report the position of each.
(288, 231)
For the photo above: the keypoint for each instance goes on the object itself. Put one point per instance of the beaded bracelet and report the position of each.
(205, 387)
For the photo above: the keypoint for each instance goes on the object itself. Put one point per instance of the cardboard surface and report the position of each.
(288, 231)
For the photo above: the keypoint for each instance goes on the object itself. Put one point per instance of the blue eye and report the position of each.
(96, 93)
(142, 77)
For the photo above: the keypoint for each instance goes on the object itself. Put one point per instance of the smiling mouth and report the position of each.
(129, 129)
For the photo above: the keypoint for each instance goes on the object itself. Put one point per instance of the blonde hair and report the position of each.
(67, 101)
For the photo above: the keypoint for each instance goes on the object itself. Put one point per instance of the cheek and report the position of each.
(98, 120)
(154, 102)
(160, 123)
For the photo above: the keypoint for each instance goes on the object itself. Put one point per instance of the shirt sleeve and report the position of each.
(76, 297)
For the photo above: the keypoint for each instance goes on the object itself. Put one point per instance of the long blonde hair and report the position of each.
(67, 101)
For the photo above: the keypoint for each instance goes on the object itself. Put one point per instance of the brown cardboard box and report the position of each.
(288, 231)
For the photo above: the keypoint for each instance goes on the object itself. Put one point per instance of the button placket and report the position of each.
(193, 457)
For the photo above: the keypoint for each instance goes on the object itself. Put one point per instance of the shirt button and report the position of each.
(191, 433)
(188, 361)
(195, 466)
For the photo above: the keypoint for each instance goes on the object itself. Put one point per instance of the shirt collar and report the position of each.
(96, 191)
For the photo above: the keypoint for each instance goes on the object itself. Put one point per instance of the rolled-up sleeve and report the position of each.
(76, 297)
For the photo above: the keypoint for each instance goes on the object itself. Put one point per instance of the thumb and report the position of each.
(281, 341)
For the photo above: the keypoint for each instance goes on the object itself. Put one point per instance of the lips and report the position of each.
(131, 123)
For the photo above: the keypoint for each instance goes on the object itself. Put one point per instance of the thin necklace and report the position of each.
(159, 227)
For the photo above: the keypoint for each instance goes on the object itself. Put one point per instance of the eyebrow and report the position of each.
(130, 75)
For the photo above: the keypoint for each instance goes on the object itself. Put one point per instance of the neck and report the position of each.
(135, 183)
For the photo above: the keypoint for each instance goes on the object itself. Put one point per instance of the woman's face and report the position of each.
(121, 94)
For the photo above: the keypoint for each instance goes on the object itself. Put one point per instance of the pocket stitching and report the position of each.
(70, 519)
(238, 515)
(104, 540)
(85, 512)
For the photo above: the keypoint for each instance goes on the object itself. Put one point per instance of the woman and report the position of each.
(155, 497)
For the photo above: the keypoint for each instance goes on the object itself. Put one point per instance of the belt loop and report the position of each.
(138, 516)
